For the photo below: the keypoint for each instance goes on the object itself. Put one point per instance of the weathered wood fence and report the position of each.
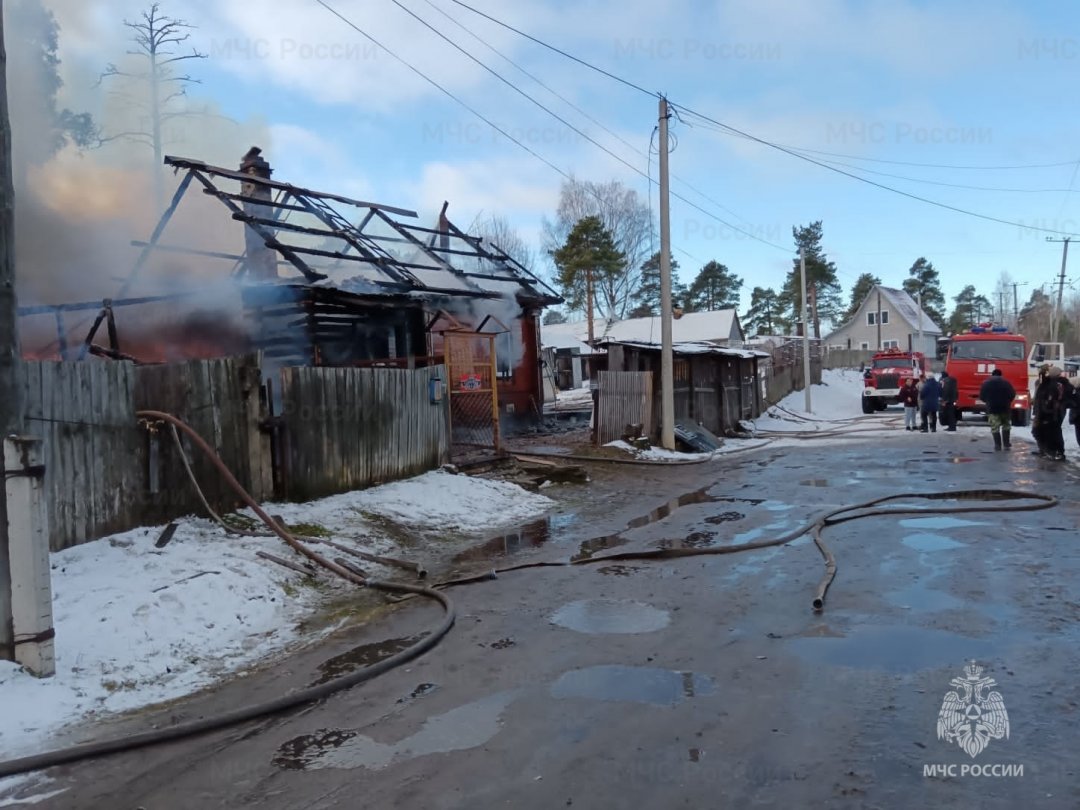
(625, 399)
(347, 428)
(108, 471)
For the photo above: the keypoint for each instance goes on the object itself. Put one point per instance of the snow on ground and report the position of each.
(660, 454)
(137, 625)
(838, 397)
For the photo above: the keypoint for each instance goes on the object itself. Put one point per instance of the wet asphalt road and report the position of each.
(701, 682)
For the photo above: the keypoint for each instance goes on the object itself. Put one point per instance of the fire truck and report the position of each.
(973, 356)
(889, 370)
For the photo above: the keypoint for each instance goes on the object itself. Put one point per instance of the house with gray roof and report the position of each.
(887, 318)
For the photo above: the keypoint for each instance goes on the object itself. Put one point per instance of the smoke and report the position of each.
(77, 211)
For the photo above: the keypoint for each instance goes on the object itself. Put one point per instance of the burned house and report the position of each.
(327, 280)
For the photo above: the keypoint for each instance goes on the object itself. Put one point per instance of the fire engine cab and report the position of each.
(889, 370)
(973, 356)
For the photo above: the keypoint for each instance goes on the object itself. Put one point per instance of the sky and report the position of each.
(882, 84)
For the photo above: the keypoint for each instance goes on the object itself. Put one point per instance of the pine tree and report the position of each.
(715, 287)
(763, 316)
(863, 285)
(584, 262)
(820, 275)
(971, 308)
(646, 298)
(924, 279)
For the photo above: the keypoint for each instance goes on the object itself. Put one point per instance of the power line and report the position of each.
(578, 109)
(874, 183)
(539, 104)
(930, 165)
(559, 51)
(762, 141)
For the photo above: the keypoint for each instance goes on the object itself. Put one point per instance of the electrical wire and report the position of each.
(560, 119)
(732, 130)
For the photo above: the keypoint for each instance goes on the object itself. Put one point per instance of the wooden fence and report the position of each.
(625, 399)
(347, 428)
(107, 471)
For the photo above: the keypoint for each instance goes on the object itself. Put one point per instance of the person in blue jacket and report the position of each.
(929, 402)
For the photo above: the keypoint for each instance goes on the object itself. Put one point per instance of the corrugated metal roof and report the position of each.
(691, 327)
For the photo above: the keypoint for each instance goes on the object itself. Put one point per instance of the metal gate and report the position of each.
(474, 407)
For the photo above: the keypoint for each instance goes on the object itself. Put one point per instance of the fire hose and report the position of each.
(321, 691)
(285, 702)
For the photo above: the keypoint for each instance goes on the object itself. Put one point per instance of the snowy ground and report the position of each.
(137, 625)
(660, 454)
(838, 397)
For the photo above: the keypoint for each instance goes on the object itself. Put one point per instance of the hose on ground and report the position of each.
(285, 702)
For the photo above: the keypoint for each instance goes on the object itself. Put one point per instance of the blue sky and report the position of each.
(951, 83)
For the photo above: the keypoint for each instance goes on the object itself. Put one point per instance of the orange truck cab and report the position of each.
(888, 372)
(973, 356)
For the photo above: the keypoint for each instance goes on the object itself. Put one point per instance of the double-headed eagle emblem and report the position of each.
(971, 716)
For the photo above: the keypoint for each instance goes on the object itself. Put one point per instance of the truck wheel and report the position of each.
(880, 403)
(867, 405)
(1020, 417)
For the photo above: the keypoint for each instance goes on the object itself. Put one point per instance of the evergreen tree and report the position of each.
(646, 298)
(588, 256)
(553, 316)
(820, 277)
(971, 308)
(863, 285)
(715, 287)
(924, 279)
(763, 317)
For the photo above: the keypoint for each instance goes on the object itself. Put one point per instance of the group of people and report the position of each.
(1054, 396)
(925, 397)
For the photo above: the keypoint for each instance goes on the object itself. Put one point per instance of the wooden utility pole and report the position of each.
(667, 363)
(879, 318)
(805, 331)
(1061, 287)
(589, 303)
(11, 411)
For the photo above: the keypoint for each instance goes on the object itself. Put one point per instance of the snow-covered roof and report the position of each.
(906, 306)
(560, 340)
(691, 327)
(693, 347)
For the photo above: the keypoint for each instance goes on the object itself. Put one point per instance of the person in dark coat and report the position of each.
(997, 394)
(950, 392)
(1051, 402)
(930, 397)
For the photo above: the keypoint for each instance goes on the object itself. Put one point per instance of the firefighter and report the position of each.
(998, 394)
(950, 392)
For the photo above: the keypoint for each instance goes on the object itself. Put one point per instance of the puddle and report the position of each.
(893, 649)
(925, 542)
(467, 726)
(649, 685)
(949, 460)
(814, 482)
(751, 501)
(419, 691)
(610, 616)
(724, 517)
(943, 522)
(692, 540)
(549, 529)
(363, 656)
(919, 598)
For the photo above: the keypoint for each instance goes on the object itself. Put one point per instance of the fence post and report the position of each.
(28, 534)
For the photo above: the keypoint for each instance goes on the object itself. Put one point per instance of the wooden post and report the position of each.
(27, 527)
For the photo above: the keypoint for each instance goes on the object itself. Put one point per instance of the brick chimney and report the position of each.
(260, 261)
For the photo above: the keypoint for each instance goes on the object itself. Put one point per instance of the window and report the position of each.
(864, 345)
(870, 320)
(504, 353)
(884, 316)
(890, 344)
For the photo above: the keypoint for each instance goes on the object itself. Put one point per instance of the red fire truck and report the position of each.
(973, 356)
(889, 370)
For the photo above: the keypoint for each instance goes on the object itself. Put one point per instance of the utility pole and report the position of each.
(1016, 305)
(918, 296)
(1001, 305)
(879, 318)
(589, 302)
(11, 413)
(1061, 287)
(805, 330)
(667, 372)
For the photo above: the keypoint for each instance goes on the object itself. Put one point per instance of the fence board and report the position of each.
(625, 399)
